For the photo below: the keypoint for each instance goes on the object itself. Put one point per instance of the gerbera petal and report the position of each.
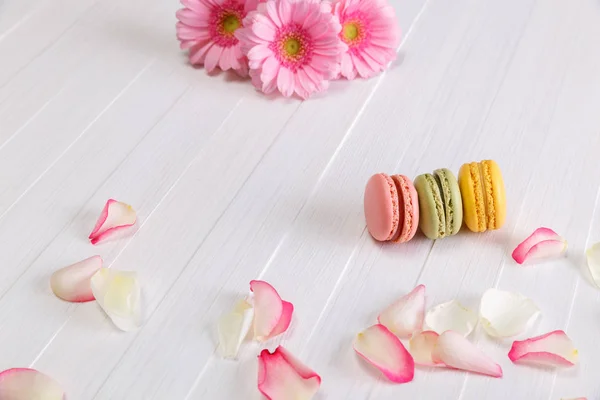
(593, 262)
(347, 68)
(259, 53)
(299, 12)
(361, 67)
(318, 30)
(233, 328)
(421, 348)
(552, 349)
(285, 11)
(282, 376)
(455, 351)
(406, 315)
(312, 18)
(374, 66)
(192, 18)
(72, 283)
(28, 384)
(305, 81)
(185, 32)
(118, 294)
(382, 349)
(273, 13)
(225, 59)
(451, 316)
(542, 244)
(270, 69)
(195, 5)
(505, 314)
(212, 57)
(263, 28)
(115, 216)
(198, 53)
(285, 81)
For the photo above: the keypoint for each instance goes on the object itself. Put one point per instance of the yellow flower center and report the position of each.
(351, 31)
(230, 23)
(292, 46)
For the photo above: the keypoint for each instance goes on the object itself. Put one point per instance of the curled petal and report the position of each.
(451, 316)
(593, 261)
(542, 244)
(233, 328)
(505, 314)
(454, 350)
(406, 315)
(272, 316)
(118, 294)
(28, 384)
(381, 348)
(421, 348)
(114, 217)
(72, 283)
(281, 376)
(553, 349)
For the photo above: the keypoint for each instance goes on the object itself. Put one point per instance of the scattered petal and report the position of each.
(381, 348)
(593, 260)
(406, 315)
(451, 316)
(28, 384)
(115, 216)
(282, 377)
(454, 350)
(505, 314)
(233, 328)
(542, 244)
(118, 294)
(272, 316)
(421, 348)
(72, 283)
(553, 349)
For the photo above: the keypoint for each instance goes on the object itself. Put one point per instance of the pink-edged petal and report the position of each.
(421, 348)
(72, 283)
(268, 310)
(406, 315)
(118, 293)
(283, 377)
(116, 215)
(28, 384)
(504, 314)
(593, 262)
(552, 349)
(381, 348)
(451, 316)
(455, 351)
(284, 321)
(234, 327)
(542, 244)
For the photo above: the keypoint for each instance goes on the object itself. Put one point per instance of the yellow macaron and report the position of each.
(483, 195)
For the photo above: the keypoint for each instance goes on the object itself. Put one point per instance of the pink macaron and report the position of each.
(391, 208)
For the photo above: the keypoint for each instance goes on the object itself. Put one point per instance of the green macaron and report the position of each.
(440, 204)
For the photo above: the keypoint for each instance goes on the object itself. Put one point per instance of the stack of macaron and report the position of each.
(437, 203)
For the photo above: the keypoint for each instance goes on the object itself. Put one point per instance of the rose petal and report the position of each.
(115, 216)
(454, 350)
(272, 316)
(118, 294)
(593, 261)
(505, 314)
(381, 348)
(554, 349)
(28, 384)
(72, 283)
(281, 376)
(406, 315)
(451, 316)
(542, 244)
(233, 328)
(421, 348)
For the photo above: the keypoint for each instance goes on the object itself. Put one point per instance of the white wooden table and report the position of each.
(97, 101)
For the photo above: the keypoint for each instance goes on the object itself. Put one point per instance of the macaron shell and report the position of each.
(496, 211)
(432, 219)
(452, 200)
(381, 207)
(469, 181)
(409, 209)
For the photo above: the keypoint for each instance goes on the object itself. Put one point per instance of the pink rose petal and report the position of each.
(542, 244)
(272, 316)
(553, 349)
(421, 348)
(406, 315)
(454, 350)
(381, 348)
(72, 283)
(282, 377)
(115, 216)
(28, 384)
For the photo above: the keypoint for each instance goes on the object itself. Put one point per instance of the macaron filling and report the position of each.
(478, 190)
(439, 204)
(490, 207)
(405, 208)
(444, 185)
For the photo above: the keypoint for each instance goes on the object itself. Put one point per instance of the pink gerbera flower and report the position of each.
(292, 46)
(207, 27)
(370, 30)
